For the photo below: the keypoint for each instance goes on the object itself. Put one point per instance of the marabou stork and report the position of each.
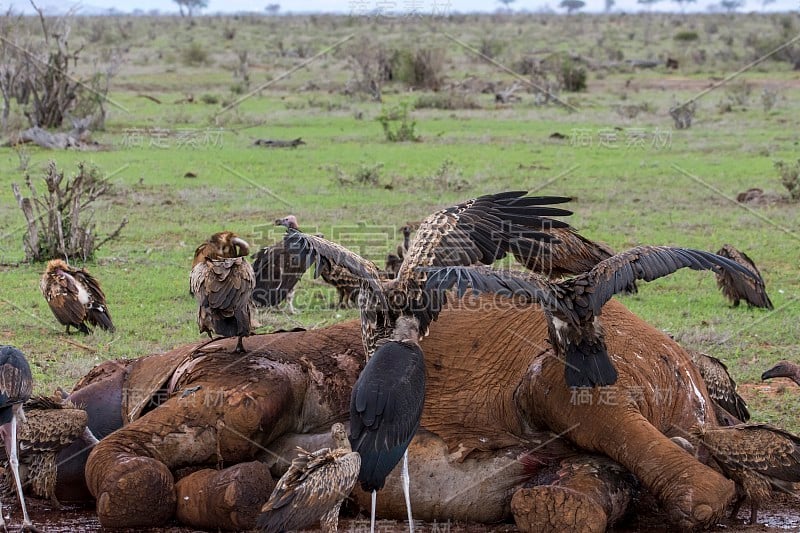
(573, 305)
(387, 399)
(74, 297)
(16, 386)
(313, 489)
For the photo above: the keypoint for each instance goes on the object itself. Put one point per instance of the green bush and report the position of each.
(572, 76)
(447, 100)
(397, 124)
(686, 36)
(194, 54)
(790, 177)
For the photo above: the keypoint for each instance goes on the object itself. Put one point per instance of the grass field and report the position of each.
(633, 180)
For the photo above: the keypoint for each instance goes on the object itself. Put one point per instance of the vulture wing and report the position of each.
(572, 254)
(760, 448)
(276, 275)
(751, 290)
(223, 289)
(61, 293)
(720, 384)
(315, 484)
(97, 314)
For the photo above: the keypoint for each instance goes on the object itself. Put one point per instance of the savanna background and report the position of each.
(638, 117)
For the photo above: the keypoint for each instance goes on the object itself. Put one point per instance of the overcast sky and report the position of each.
(397, 7)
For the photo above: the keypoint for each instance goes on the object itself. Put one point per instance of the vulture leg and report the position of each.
(753, 512)
(67, 330)
(290, 302)
(27, 525)
(240, 346)
(406, 491)
(329, 523)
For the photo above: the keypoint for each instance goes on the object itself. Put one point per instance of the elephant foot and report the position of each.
(138, 492)
(551, 508)
(228, 499)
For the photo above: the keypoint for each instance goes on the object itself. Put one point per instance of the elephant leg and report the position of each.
(693, 494)
(581, 493)
(129, 472)
(228, 499)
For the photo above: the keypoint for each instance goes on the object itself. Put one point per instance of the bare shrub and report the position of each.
(422, 68)
(371, 66)
(683, 114)
(194, 54)
(398, 126)
(59, 221)
(769, 97)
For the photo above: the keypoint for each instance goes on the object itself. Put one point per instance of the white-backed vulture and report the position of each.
(75, 297)
(753, 292)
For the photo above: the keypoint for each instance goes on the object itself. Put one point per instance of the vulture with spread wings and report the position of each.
(573, 306)
(222, 282)
(387, 399)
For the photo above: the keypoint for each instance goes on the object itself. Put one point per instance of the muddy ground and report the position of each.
(780, 514)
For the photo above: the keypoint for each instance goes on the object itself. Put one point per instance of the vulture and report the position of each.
(49, 427)
(784, 369)
(75, 297)
(313, 489)
(573, 305)
(278, 272)
(222, 282)
(394, 260)
(386, 402)
(757, 457)
(752, 292)
(722, 389)
(16, 386)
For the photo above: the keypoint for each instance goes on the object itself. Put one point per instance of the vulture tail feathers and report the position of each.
(588, 364)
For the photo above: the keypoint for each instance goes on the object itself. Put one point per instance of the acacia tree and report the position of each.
(190, 6)
(731, 5)
(572, 5)
(683, 3)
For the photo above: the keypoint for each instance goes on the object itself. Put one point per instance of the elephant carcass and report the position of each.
(487, 390)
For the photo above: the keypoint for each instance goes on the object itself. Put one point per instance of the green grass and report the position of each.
(677, 191)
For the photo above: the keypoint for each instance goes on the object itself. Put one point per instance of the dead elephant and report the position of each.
(490, 394)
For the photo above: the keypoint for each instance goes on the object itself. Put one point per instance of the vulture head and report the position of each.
(55, 265)
(222, 245)
(290, 221)
(784, 369)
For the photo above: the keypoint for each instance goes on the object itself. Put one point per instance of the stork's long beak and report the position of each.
(243, 247)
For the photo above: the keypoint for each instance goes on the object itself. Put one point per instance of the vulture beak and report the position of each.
(776, 371)
(243, 247)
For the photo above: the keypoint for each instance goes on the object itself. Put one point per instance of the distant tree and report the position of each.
(189, 7)
(683, 3)
(767, 2)
(610, 5)
(273, 9)
(648, 3)
(731, 5)
(572, 5)
(506, 4)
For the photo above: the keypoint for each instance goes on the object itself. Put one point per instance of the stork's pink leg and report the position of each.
(27, 525)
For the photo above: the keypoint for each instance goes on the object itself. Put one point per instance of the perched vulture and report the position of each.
(222, 282)
(573, 305)
(722, 389)
(757, 457)
(75, 297)
(386, 403)
(313, 489)
(753, 292)
(784, 369)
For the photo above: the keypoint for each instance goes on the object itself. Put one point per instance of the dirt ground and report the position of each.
(780, 514)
